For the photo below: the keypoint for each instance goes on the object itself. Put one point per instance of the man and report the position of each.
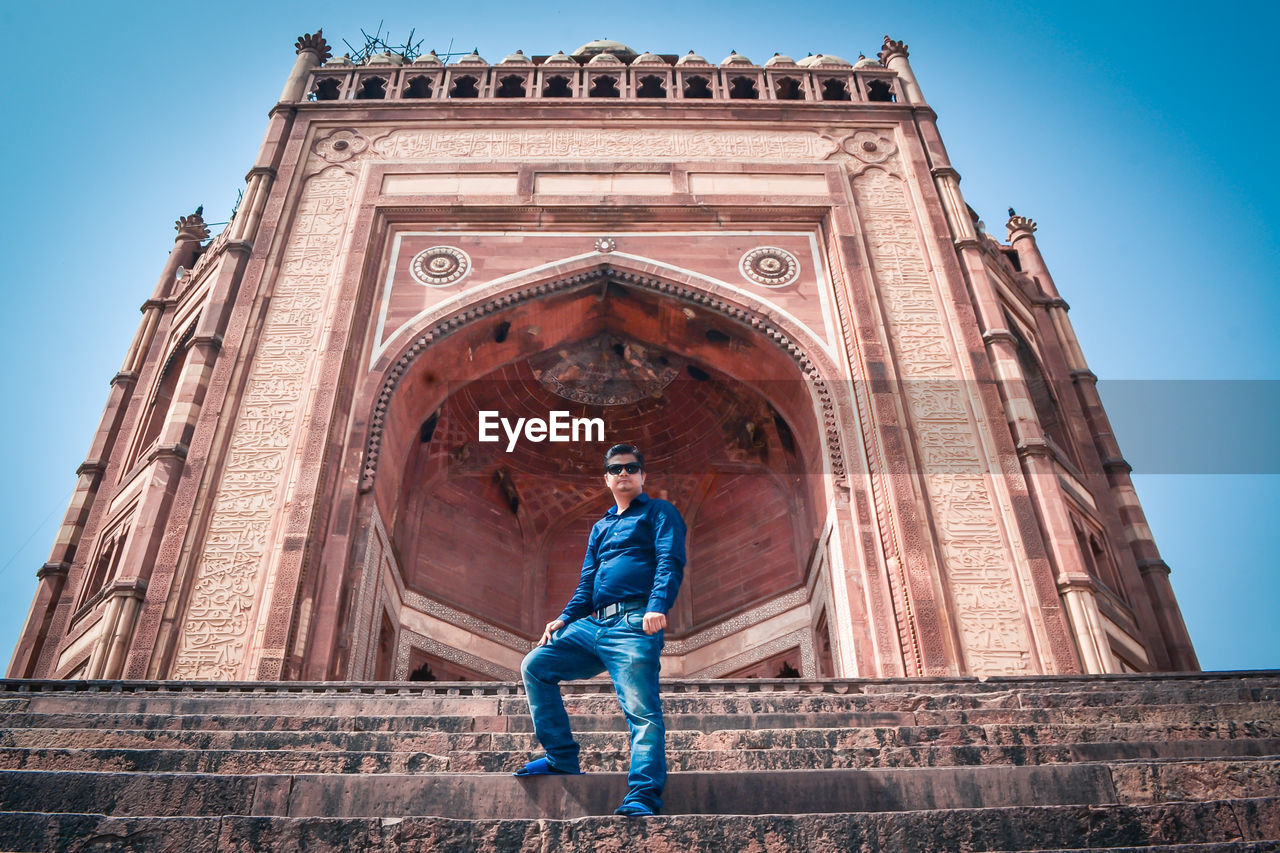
(614, 622)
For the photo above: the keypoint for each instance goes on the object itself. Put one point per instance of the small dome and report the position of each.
(864, 62)
(823, 60)
(735, 58)
(428, 59)
(692, 58)
(472, 58)
(386, 58)
(648, 58)
(517, 58)
(339, 61)
(605, 59)
(593, 49)
(559, 58)
(778, 60)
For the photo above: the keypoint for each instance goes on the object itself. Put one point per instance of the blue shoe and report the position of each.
(634, 810)
(542, 767)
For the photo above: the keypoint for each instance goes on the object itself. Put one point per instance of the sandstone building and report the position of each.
(874, 416)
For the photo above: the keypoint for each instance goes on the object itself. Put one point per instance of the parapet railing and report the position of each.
(643, 84)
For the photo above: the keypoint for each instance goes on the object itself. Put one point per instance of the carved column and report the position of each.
(31, 648)
(1005, 496)
(187, 415)
(894, 57)
(165, 461)
(1172, 648)
(312, 50)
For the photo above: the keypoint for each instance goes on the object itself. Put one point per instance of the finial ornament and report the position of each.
(1018, 224)
(891, 49)
(192, 227)
(314, 42)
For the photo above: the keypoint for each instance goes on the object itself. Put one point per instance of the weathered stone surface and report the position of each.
(1225, 825)
(1196, 780)
(1127, 763)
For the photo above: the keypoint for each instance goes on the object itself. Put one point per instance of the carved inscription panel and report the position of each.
(228, 577)
(978, 563)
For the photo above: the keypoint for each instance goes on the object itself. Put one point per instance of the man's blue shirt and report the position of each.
(636, 554)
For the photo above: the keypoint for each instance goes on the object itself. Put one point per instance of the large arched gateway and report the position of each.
(874, 415)
(476, 542)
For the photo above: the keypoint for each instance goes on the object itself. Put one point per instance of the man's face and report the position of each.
(624, 484)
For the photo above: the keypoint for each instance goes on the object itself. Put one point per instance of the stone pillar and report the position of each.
(894, 57)
(1051, 626)
(312, 51)
(1172, 649)
(31, 658)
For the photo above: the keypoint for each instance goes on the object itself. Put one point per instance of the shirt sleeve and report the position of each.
(580, 604)
(668, 547)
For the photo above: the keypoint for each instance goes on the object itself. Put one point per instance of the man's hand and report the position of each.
(654, 622)
(552, 627)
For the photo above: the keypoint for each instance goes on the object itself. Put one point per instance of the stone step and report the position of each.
(713, 698)
(1247, 738)
(480, 795)
(613, 757)
(474, 796)
(1262, 719)
(1244, 826)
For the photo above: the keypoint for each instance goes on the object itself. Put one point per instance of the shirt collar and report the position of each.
(639, 500)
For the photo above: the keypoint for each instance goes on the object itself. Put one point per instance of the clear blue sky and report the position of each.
(1140, 137)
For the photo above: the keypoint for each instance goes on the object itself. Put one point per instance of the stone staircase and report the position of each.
(1187, 762)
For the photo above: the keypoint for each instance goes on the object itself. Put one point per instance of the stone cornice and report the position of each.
(994, 336)
(213, 341)
(53, 569)
(128, 587)
(124, 379)
(167, 451)
(1035, 447)
(92, 466)
(1148, 566)
(1112, 464)
(1077, 583)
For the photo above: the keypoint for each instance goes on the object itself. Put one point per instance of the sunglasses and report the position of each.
(630, 468)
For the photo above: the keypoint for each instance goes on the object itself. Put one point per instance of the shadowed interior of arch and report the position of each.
(722, 413)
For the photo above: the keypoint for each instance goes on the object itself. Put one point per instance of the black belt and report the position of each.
(619, 607)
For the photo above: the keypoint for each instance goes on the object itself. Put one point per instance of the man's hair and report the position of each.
(623, 450)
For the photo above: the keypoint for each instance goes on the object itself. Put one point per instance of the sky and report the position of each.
(1140, 137)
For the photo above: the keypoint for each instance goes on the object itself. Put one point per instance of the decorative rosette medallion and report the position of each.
(769, 266)
(440, 266)
(341, 145)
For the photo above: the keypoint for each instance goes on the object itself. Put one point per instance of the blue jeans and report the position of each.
(582, 649)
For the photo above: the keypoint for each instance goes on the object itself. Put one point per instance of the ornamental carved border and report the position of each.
(858, 148)
(447, 326)
(977, 562)
(217, 622)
